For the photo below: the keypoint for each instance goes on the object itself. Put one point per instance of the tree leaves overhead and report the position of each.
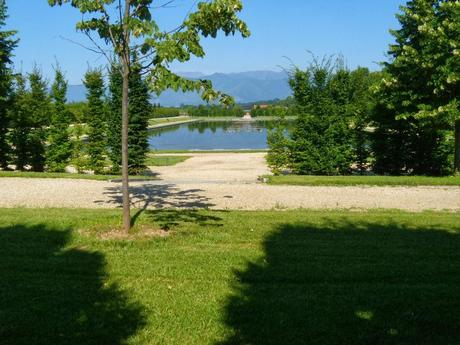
(156, 49)
(423, 77)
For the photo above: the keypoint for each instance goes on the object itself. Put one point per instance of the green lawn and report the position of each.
(159, 161)
(297, 180)
(294, 277)
(30, 174)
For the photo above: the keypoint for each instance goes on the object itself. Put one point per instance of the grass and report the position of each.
(328, 277)
(363, 180)
(151, 161)
(160, 161)
(165, 120)
(31, 174)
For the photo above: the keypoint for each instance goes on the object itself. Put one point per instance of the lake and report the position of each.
(212, 135)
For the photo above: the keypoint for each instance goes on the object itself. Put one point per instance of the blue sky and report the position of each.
(357, 29)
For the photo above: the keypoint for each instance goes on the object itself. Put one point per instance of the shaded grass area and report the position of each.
(297, 180)
(294, 277)
(160, 161)
(30, 174)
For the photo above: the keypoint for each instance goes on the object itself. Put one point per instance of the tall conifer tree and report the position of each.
(139, 113)
(7, 44)
(114, 117)
(59, 149)
(94, 84)
(20, 122)
(38, 106)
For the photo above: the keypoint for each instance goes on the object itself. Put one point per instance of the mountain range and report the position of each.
(245, 87)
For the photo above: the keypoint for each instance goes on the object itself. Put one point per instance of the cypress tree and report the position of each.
(96, 120)
(114, 118)
(59, 149)
(39, 107)
(7, 44)
(20, 123)
(139, 110)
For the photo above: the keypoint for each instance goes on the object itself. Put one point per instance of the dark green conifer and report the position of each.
(139, 113)
(7, 44)
(114, 117)
(94, 84)
(59, 149)
(38, 106)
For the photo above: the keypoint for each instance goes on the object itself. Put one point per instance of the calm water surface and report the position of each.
(229, 135)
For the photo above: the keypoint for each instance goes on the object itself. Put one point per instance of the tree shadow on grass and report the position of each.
(53, 295)
(349, 283)
(160, 196)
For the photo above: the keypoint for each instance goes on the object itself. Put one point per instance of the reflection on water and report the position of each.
(212, 135)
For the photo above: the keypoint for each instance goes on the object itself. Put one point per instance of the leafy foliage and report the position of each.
(421, 88)
(160, 48)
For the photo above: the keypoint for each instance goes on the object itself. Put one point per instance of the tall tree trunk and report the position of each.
(124, 149)
(457, 147)
(126, 56)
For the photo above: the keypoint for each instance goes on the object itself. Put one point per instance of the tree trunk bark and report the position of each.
(124, 149)
(457, 147)
(126, 56)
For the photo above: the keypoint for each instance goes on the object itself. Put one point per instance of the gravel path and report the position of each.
(220, 181)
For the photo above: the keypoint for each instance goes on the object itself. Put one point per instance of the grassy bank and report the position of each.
(160, 161)
(296, 180)
(29, 174)
(152, 161)
(230, 278)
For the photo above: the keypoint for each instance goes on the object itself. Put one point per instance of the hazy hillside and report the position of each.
(245, 87)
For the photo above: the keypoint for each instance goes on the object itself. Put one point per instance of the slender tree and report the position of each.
(7, 44)
(94, 84)
(128, 27)
(38, 106)
(59, 149)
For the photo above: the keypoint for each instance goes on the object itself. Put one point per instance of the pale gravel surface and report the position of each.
(221, 181)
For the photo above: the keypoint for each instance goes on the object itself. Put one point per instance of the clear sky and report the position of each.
(357, 29)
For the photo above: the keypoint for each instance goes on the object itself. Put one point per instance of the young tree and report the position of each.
(7, 44)
(128, 27)
(59, 149)
(423, 76)
(38, 106)
(96, 120)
